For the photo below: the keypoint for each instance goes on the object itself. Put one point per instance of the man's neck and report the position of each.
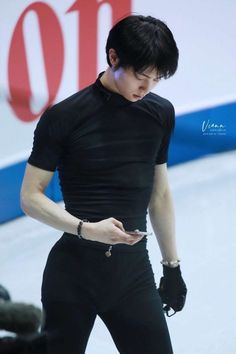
(107, 80)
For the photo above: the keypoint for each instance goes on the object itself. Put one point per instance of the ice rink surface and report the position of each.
(204, 193)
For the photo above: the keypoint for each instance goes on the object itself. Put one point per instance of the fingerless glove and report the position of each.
(172, 288)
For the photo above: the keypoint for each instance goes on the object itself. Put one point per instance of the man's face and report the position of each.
(132, 85)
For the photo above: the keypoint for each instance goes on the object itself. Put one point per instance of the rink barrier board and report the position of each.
(191, 140)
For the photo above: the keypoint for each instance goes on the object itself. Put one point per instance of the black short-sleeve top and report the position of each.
(105, 149)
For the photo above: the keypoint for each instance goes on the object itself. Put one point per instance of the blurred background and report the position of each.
(51, 49)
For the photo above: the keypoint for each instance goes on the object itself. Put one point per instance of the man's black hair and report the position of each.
(143, 42)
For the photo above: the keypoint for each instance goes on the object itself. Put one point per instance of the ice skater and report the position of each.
(109, 143)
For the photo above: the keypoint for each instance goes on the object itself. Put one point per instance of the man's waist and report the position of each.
(130, 222)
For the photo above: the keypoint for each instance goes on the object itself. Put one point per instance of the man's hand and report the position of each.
(172, 288)
(109, 231)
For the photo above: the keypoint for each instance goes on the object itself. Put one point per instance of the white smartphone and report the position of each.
(138, 233)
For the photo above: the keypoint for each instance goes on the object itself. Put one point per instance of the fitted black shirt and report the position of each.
(105, 149)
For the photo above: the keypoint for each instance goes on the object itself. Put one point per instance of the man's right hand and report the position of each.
(109, 231)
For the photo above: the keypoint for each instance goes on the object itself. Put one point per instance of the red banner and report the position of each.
(51, 35)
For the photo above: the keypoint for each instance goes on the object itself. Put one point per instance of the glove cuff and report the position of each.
(171, 272)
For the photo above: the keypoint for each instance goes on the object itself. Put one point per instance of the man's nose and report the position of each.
(145, 87)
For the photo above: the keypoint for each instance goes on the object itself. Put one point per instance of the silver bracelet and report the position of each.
(171, 264)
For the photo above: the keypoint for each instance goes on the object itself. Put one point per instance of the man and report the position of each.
(110, 142)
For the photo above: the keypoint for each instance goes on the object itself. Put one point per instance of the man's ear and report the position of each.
(113, 57)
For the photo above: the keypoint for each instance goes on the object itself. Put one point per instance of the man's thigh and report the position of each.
(68, 326)
(138, 325)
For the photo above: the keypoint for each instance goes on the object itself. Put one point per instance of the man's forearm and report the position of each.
(163, 222)
(109, 231)
(40, 207)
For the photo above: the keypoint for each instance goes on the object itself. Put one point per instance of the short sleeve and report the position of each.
(48, 141)
(168, 128)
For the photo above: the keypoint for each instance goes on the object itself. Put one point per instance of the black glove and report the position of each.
(172, 289)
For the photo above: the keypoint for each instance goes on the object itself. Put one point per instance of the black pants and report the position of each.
(80, 282)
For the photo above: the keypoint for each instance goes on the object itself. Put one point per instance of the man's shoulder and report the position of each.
(158, 107)
(70, 111)
(74, 101)
(157, 101)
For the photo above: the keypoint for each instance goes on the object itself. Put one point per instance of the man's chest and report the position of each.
(115, 136)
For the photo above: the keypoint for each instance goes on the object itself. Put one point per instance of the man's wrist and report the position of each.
(84, 229)
(79, 228)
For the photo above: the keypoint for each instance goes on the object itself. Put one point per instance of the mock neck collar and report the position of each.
(108, 95)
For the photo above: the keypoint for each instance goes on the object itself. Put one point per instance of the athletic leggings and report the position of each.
(81, 282)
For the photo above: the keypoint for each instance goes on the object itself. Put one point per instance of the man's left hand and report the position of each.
(172, 288)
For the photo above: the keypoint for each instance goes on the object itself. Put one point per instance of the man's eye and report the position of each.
(138, 77)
